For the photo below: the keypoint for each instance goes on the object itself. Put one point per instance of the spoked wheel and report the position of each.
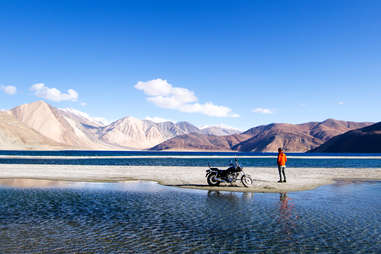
(246, 180)
(212, 181)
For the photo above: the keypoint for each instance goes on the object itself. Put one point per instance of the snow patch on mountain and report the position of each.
(219, 130)
(156, 119)
(221, 125)
(98, 120)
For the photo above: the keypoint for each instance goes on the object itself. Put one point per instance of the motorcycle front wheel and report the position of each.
(212, 181)
(246, 180)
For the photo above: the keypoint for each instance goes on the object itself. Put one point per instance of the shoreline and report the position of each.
(265, 179)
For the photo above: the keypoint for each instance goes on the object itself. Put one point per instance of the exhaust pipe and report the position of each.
(219, 179)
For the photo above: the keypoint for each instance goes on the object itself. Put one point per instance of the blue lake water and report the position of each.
(200, 159)
(144, 217)
(73, 217)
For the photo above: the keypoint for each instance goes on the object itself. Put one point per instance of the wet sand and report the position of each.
(265, 179)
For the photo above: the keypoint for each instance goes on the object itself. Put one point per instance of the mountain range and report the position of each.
(73, 129)
(265, 138)
(39, 125)
(364, 140)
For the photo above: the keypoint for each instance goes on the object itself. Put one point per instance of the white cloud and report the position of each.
(156, 87)
(11, 90)
(157, 119)
(340, 103)
(83, 104)
(164, 95)
(262, 111)
(53, 94)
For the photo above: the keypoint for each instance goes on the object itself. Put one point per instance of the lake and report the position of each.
(144, 217)
(191, 159)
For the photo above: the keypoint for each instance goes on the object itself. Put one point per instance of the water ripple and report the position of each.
(342, 219)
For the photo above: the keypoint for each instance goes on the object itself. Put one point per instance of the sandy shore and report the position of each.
(191, 177)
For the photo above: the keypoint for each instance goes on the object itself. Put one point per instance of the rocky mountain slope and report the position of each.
(77, 129)
(199, 142)
(142, 134)
(266, 138)
(49, 126)
(17, 135)
(219, 131)
(294, 137)
(84, 118)
(364, 140)
(135, 133)
(59, 125)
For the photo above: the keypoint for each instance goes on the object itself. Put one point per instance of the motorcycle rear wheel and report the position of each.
(246, 180)
(212, 181)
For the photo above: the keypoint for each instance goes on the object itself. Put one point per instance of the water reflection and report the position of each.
(146, 217)
(136, 186)
(222, 199)
(33, 183)
(286, 218)
(248, 195)
(232, 197)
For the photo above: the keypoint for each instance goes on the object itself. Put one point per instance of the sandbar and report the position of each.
(265, 179)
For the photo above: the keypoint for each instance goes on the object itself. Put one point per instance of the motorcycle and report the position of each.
(215, 176)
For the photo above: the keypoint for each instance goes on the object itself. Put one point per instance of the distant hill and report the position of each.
(197, 141)
(364, 140)
(265, 138)
(294, 137)
(187, 127)
(219, 131)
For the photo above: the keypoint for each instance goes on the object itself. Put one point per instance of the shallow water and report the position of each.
(144, 217)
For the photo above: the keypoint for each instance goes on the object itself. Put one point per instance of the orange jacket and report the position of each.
(282, 159)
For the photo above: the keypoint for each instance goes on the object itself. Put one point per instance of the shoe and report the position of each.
(279, 181)
(284, 181)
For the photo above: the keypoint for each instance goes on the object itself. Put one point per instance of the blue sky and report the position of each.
(240, 63)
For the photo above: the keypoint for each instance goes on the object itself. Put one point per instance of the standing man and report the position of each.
(281, 165)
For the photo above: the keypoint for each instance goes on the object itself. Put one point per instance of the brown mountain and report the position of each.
(364, 140)
(197, 141)
(294, 137)
(265, 138)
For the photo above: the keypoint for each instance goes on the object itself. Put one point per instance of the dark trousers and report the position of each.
(281, 171)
